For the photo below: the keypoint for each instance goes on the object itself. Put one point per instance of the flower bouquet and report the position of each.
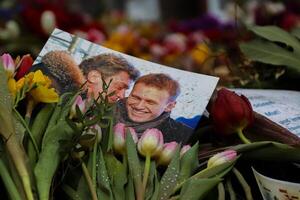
(65, 147)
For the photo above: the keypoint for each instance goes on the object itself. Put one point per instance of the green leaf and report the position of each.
(107, 139)
(129, 189)
(268, 150)
(6, 119)
(50, 157)
(170, 178)
(103, 190)
(276, 34)
(72, 194)
(215, 171)
(197, 189)
(8, 182)
(189, 162)
(38, 129)
(134, 164)
(296, 32)
(271, 53)
(117, 174)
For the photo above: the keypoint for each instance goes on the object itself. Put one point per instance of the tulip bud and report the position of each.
(231, 112)
(184, 149)
(23, 66)
(168, 151)
(92, 132)
(8, 64)
(151, 142)
(120, 137)
(81, 105)
(222, 157)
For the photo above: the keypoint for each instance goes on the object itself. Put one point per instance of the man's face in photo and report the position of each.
(146, 103)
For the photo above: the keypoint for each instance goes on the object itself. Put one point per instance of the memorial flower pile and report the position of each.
(67, 147)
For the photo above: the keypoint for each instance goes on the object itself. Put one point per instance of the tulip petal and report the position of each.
(44, 94)
(8, 63)
(24, 66)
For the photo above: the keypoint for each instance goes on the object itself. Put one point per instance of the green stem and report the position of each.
(89, 181)
(18, 157)
(146, 172)
(29, 109)
(221, 191)
(94, 161)
(242, 137)
(230, 189)
(243, 183)
(27, 129)
(8, 182)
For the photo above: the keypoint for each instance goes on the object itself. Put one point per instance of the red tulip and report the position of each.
(231, 113)
(23, 66)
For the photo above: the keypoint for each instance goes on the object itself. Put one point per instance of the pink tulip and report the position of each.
(81, 105)
(8, 63)
(167, 153)
(151, 142)
(222, 157)
(120, 137)
(184, 149)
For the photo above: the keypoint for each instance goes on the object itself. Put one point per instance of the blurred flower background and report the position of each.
(200, 36)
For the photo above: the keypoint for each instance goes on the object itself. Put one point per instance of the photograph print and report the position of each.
(147, 95)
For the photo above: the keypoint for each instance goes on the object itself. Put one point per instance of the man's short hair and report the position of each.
(108, 65)
(163, 82)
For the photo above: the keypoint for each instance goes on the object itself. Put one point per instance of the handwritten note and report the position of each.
(281, 106)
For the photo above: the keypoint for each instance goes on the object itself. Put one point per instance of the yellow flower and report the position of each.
(44, 94)
(20, 83)
(42, 91)
(40, 78)
(200, 53)
(12, 86)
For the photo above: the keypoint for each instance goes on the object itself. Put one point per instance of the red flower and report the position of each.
(231, 113)
(23, 66)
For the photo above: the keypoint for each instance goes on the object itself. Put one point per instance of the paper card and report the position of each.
(196, 89)
(273, 189)
(281, 106)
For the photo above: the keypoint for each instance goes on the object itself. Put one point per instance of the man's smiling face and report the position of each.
(146, 103)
